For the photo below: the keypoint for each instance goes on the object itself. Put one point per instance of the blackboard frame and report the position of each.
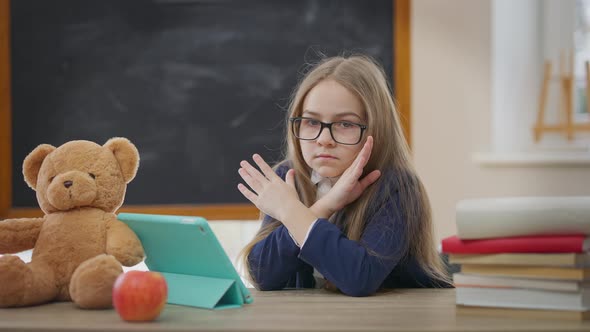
(401, 76)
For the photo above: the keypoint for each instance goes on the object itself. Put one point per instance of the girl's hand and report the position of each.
(348, 187)
(270, 194)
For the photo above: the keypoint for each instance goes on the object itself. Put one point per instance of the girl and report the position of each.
(338, 212)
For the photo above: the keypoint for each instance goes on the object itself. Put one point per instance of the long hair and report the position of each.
(364, 77)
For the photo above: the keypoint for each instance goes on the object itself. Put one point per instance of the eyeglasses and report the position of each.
(343, 132)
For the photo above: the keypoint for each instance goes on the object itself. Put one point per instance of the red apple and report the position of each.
(139, 295)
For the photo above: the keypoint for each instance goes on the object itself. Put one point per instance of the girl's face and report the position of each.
(329, 102)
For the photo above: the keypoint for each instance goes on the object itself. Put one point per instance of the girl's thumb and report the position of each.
(290, 178)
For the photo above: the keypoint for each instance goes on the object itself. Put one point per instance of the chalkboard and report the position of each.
(196, 85)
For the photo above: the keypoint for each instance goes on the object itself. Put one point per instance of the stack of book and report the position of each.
(525, 256)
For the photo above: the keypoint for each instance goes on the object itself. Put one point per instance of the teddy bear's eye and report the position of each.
(92, 175)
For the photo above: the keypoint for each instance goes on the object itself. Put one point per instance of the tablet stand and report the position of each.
(202, 292)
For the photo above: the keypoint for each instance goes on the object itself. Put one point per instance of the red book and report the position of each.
(518, 244)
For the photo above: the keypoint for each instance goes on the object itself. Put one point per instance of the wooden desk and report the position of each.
(293, 310)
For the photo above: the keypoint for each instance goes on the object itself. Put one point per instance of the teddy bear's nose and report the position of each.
(68, 183)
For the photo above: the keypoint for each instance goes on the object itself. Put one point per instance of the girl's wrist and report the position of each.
(290, 209)
(322, 210)
(297, 218)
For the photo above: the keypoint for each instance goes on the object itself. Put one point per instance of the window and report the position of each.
(565, 39)
(581, 55)
(524, 34)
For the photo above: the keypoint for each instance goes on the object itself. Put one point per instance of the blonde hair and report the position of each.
(364, 77)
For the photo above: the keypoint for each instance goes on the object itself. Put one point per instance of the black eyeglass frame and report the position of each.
(326, 125)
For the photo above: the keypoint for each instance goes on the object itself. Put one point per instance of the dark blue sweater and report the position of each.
(378, 260)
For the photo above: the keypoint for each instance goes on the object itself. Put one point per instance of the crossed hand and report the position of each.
(276, 197)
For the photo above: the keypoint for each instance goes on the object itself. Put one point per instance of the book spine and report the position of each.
(547, 244)
(563, 260)
(483, 281)
(530, 272)
(520, 298)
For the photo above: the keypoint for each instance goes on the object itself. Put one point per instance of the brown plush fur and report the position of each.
(79, 245)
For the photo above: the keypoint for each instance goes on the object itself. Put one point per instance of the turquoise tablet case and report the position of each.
(187, 253)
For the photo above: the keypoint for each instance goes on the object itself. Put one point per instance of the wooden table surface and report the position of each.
(291, 310)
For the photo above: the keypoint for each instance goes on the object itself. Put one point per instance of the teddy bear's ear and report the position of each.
(126, 154)
(33, 161)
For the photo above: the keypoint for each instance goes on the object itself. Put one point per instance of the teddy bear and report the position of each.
(79, 246)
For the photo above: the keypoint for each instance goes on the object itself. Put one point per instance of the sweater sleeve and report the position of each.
(358, 268)
(274, 260)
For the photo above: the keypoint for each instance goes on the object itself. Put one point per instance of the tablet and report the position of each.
(187, 252)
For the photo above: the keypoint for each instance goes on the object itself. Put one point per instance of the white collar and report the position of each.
(317, 178)
(323, 184)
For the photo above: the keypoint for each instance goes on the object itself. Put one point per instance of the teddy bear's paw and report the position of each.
(92, 283)
(13, 276)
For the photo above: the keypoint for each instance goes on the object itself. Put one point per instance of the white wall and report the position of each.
(452, 95)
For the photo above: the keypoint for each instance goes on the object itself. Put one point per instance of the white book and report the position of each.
(523, 298)
(521, 216)
(481, 281)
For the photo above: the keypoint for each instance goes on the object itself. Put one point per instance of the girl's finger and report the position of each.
(354, 172)
(248, 194)
(359, 169)
(254, 173)
(366, 150)
(252, 182)
(370, 143)
(266, 170)
(364, 154)
(290, 178)
(369, 179)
